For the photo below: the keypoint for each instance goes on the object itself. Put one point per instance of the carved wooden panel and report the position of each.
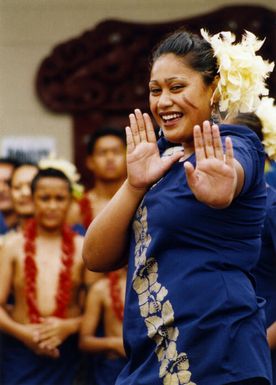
(102, 75)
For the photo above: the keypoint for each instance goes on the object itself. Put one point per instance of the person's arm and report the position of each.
(90, 278)
(271, 336)
(7, 324)
(107, 237)
(94, 308)
(22, 332)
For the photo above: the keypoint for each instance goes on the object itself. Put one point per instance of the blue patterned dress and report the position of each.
(265, 272)
(191, 313)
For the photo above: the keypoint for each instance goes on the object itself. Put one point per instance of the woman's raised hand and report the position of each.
(144, 164)
(214, 180)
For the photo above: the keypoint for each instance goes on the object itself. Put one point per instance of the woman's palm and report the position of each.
(214, 179)
(144, 164)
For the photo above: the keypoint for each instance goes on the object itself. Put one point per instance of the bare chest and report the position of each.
(48, 262)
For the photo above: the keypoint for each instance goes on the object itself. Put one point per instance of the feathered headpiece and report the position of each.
(266, 112)
(242, 72)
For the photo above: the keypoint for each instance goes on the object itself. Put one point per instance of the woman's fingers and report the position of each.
(190, 174)
(134, 129)
(217, 143)
(129, 140)
(149, 128)
(141, 125)
(229, 153)
(208, 143)
(208, 140)
(199, 144)
(141, 129)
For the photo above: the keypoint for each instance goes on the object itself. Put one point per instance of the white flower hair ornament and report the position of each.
(69, 170)
(242, 72)
(266, 112)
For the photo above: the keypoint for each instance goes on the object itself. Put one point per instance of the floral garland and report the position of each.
(266, 112)
(115, 293)
(242, 73)
(86, 210)
(30, 268)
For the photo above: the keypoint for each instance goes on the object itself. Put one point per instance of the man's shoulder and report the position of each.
(13, 238)
(12, 243)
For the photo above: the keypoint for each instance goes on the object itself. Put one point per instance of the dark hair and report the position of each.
(251, 120)
(196, 51)
(50, 173)
(27, 163)
(100, 133)
(11, 161)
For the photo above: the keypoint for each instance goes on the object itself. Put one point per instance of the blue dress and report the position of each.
(271, 175)
(265, 272)
(191, 312)
(105, 370)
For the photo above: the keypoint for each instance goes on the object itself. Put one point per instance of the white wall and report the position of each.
(30, 28)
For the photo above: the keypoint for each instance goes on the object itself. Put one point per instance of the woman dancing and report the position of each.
(188, 221)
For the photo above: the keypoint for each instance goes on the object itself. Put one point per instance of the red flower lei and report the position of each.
(115, 293)
(30, 268)
(86, 211)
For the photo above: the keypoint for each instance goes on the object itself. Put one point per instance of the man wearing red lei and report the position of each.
(105, 160)
(42, 266)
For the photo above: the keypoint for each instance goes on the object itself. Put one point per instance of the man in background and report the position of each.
(9, 217)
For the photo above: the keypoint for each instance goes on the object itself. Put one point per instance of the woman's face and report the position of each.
(179, 98)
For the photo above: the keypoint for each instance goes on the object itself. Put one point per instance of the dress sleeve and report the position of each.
(271, 216)
(251, 157)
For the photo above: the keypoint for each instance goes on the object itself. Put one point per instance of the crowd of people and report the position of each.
(47, 294)
(163, 273)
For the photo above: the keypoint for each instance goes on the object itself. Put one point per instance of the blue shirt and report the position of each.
(191, 313)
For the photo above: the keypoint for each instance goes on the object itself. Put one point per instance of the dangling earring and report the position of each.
(215, 114)
(160, 132)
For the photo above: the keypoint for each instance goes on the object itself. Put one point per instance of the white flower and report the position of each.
(176, 371)
(166, 347)
(63, 165)
(161, 326)
(266, 112)
(142, 238)
(242, 72)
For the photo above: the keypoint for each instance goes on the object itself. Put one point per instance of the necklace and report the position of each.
(115, 293)
(86, 210)
(64, 282)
